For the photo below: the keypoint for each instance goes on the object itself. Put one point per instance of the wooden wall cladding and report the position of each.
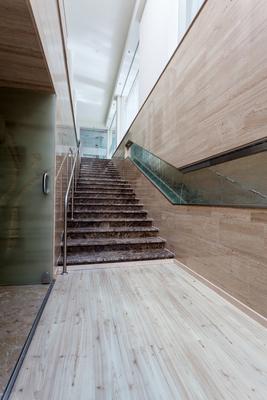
(212, 96)
(22, 62)
(227, 246)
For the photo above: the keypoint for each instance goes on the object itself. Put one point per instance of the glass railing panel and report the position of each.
(240, 182)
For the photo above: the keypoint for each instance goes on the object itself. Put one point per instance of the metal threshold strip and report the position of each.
(15, 372)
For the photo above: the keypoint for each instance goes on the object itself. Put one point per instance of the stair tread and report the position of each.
(99, 181)
(110, 211)
(105, 194)
(119, 229)
(118, 256)
(104, 241)
(104, 182)
(111, 187)
(95, 175)
(113, 220)
(111, 196)
(107, 191)
(140, 205)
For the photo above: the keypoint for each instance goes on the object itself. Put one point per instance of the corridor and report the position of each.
(142, 330)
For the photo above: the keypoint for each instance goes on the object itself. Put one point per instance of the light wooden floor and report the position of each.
(144, 331)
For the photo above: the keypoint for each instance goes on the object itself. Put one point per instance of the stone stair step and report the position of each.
(109, 214)
(100, 176)
(97, 195)
(120, 232)
(121, 256)
(88, 161)
(78, 246)
(100, 169)
(107, 199)
(89, 171)
(104, 190)
(102, 181)
(110, 207)
(109, 222)
(115, 185)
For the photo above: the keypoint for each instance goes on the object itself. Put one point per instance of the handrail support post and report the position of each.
(71, 186)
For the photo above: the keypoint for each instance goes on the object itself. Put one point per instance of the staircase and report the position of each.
(109, 224)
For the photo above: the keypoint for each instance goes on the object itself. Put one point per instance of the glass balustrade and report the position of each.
(241, 182)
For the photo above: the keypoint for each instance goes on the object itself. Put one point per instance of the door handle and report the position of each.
(45, 184)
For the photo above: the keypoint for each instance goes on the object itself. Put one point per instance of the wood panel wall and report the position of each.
(227, 246)
(212, 96)
(22, 62)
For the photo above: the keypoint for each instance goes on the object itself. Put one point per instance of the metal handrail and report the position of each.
(71, 186)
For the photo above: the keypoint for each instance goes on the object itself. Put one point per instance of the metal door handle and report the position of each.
(45, 183)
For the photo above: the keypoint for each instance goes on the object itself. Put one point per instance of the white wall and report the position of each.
(163, 25)
(158, 40)
(187, 11)
(131, 104)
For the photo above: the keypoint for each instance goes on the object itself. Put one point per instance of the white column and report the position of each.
(109, 141)
(121, 112)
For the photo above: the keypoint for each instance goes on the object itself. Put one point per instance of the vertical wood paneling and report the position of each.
(22, 62)
(212, 96)
(227, 246)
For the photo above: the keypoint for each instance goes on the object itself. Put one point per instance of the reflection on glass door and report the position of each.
(93, 143)
(27, 152)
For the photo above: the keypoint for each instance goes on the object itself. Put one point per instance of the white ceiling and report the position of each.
(97, 32)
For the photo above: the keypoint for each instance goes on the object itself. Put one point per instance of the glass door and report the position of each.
(27, 152)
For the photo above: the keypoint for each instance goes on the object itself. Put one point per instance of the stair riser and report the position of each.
(99, 169)
(113, 247)
(99, 181)
(110, 235)
(103, 190)
(86, 161)
(90, 175)
(86, 186)
(109, 207)
(95, 171)
(99, 178)
(102, 171)
(108, 224)
(98, 164)
(93, 162)
(89, 196)
(119, 200)
(99, 215)
(103, 181)
(119, 257)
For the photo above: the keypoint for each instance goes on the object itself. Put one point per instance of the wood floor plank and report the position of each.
(149, 332)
